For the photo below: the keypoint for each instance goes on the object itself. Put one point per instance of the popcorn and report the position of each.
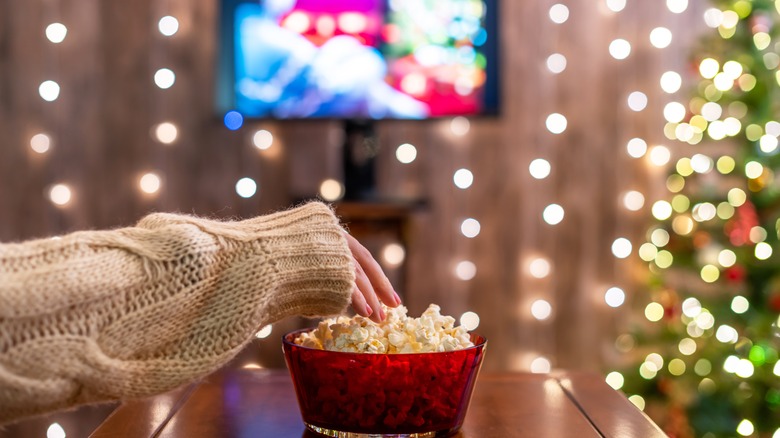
(398, 333)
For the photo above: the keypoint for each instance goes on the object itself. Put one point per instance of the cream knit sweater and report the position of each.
(107, 315)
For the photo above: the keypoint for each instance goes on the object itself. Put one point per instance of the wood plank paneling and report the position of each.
(101, 125)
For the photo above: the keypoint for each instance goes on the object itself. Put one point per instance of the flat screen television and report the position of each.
(358, 59)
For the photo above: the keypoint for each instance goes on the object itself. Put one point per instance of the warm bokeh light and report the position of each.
(614, 297)
(556, 63)
(637, 101)
(49, 91)
(636, 147)
(662, 210)
(469, 320)
(56, 32)
(553, 214)
(60, 194)
(740, 304)
(619, 49)
(660, 155)
(671, 81)
(168, 25)
(621, 248)
(246, 187)
(708, 68)
(559, 13)
(149, 183)
(262, 139)
(166, 132)
(406, 153)
(615, 380)
(55, 431)
(616, 5)
(331, 190)
(556, 123)
(465, 270)
(633, 200)
(164, 78)
(677, 6)
(660, 37)
(463, 178)
(460, 126)
(541, 309)
(539, 168)
(654, 312)
(393, 254)
(470, 228)
(540, 365)
(539, 267)
(40, 143)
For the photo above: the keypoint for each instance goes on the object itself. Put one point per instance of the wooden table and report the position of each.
(261, 403)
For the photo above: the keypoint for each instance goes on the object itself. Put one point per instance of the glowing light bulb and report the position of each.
(539, 267)
(615, 297)
(60, 194)
(633, 200)
(470, 228)
(556, 63)
(671, 82)
(166, 132)
(465, 270)
(636, 147)
(393, 254)
(677, 6)
(559, 13)
(40, 143)
(262, 139)
(637, 101)
(621, 248)
(616, 5)
(553, 214)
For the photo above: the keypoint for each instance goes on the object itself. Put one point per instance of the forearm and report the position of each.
(124, 313)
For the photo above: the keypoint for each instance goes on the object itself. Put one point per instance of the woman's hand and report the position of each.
(371, 284)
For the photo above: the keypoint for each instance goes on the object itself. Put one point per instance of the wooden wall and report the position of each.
(101, 124)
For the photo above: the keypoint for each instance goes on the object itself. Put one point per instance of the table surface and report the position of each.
(261, 403)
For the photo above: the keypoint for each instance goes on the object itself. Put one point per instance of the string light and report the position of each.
(553, 214)
(49, 91)
(149, 183)
(463, 178)
(460, 126)
(246, 187)
(539, 168)
(539, 267)
(740, 304)
(660, 37)
(636, 147)
(540, 365)
(465, 270)
(660, 155)
(556, 123)
(262, 139)
(60, 194)
(614, 297)
(620, 49)
(621, 248)
(541, 310)
(393, 254)
(470, 228)
(633, 200)
(615, 380)
(166, 132)
(469, 320)
(637, 101)
(40, 143)
(677, 6)
(638, 401)
(331, 190)
(616, 5)
(168, 25)
(55, 431)
(56, 32)
(556, 63)
(164, 78)
(559, 13)
(745, 428)
(671, 82)
(406, 153)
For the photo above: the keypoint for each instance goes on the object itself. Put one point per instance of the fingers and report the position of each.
(371, 281)
(359, 303)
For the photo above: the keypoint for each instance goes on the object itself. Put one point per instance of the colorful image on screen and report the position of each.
(375, 59)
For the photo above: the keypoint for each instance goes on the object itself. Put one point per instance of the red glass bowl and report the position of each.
(360, 394)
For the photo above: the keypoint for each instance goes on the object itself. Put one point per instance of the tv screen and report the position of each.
(358, 59)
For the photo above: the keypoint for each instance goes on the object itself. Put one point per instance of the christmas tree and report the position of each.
(706, 344)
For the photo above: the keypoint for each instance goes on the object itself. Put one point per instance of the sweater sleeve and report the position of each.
(104, 315)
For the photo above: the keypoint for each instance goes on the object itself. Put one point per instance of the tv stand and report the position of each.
(361, 145)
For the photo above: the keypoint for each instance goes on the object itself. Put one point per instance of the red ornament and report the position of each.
(738, 228)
